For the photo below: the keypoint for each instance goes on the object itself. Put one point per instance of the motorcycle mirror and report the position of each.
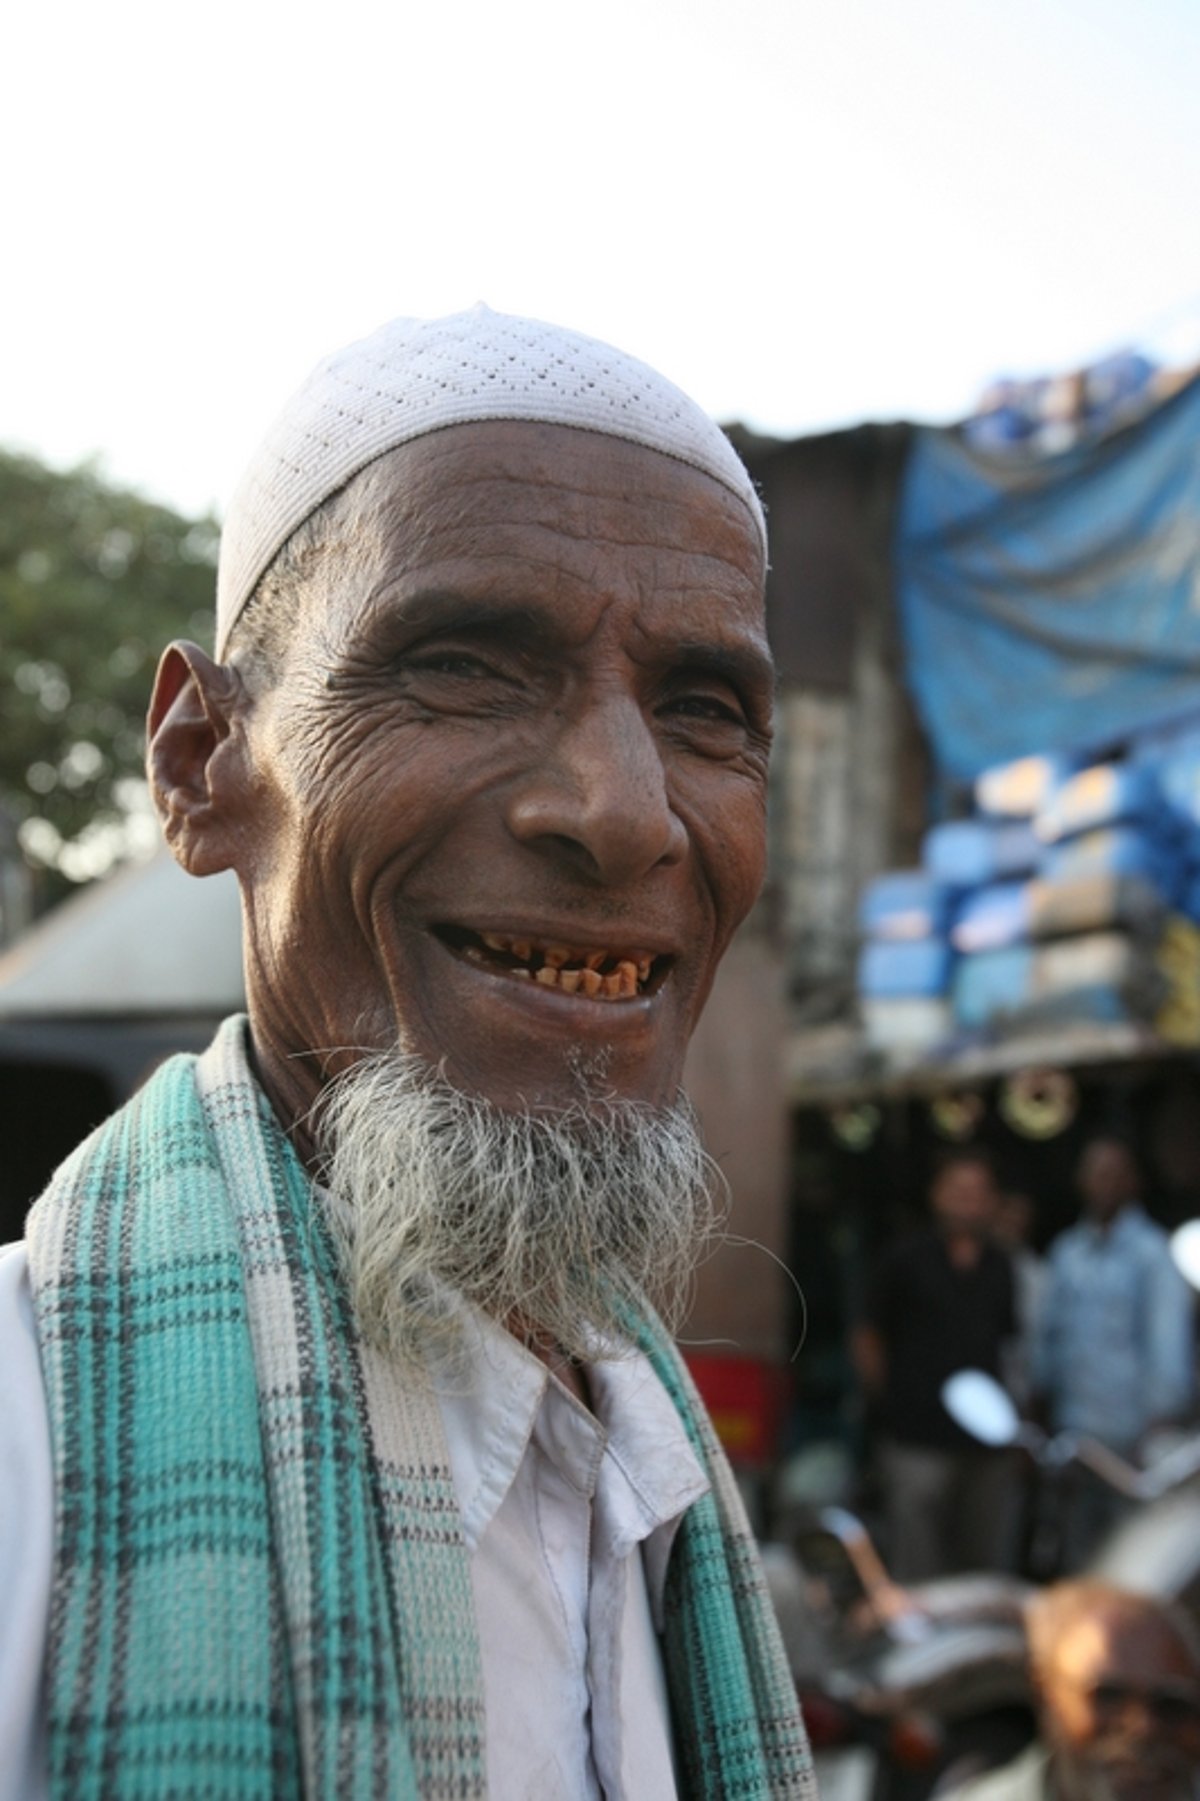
(1185, 1249)
(976, 1402)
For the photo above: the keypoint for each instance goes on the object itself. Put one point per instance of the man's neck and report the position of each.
(1103, 1223)
(571, 1374)
(963, 1249)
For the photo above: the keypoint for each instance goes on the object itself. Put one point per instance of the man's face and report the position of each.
(508, 796)
(1121, 1707)
(963, 1198)
(1107, 1179)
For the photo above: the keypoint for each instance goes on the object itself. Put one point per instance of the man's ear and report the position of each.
(195, 758)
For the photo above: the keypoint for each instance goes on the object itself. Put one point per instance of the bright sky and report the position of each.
(807, 212)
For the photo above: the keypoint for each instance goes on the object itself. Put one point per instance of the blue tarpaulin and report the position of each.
(1052, 605)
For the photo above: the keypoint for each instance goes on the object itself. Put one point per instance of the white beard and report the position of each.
(553, 1224)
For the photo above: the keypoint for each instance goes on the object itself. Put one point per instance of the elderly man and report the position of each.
(374, 1471)
(1117, 1680)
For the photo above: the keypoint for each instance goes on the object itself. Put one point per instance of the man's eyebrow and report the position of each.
(741, 664)
(438, 611)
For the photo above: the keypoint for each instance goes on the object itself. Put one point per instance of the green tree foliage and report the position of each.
(93, 582)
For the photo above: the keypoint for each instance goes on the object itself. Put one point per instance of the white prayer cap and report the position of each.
(415, 376)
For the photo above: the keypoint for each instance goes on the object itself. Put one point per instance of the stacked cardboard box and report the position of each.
(1050, 904)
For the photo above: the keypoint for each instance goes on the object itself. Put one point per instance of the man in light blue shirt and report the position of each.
(1114, 1350)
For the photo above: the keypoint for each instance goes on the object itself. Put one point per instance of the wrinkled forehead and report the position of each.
(516, 515)
(416, 377)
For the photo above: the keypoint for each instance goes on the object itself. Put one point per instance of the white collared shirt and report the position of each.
(569, 1519)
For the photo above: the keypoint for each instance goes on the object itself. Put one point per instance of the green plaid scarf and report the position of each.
(261, 1585)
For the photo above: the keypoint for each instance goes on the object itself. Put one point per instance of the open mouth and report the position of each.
(594, 975)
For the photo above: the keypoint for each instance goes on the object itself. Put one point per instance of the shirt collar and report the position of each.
(632, 1453)
(1123, 1222)
(648, 1447)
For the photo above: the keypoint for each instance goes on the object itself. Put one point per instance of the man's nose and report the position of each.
(599, 799)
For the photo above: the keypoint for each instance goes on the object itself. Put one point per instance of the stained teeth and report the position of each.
(598, 974)
(617, 986)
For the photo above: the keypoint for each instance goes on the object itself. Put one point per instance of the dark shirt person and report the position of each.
(942, 1300)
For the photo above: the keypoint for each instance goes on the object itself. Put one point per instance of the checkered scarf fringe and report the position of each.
(261, 1585)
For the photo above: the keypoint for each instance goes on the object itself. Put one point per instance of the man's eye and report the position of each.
(451, 662)
(707, 706)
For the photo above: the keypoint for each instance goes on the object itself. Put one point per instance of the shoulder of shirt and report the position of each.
(1070, 1239)
(18, 1251)
(1139, 1232)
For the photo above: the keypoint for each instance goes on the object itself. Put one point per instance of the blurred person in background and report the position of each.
(1113, 1351)
(941, 1301)
(1117, 1683)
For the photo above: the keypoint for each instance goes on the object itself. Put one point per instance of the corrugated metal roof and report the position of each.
(148, 941)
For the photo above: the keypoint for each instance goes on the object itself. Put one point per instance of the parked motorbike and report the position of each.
(1155, 1550)
(897, 1684)
(905, 1688)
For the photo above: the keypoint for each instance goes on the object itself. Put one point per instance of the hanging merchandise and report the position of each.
(1039, 1103)
(856, 1127)
(956, 1116)
(1052, 412)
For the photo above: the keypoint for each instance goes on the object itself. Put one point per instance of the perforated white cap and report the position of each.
(415, 376)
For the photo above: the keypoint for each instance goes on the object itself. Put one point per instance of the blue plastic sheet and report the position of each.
(1054, 605)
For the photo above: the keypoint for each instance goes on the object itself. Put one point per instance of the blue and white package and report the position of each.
(1016, 790)
(1123, 850)
(1107, 794)
(920, 966)
(905, 1026)
(967, 853)
(989, 918)
(903, 904)
(1095, 902)
(992, 984)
